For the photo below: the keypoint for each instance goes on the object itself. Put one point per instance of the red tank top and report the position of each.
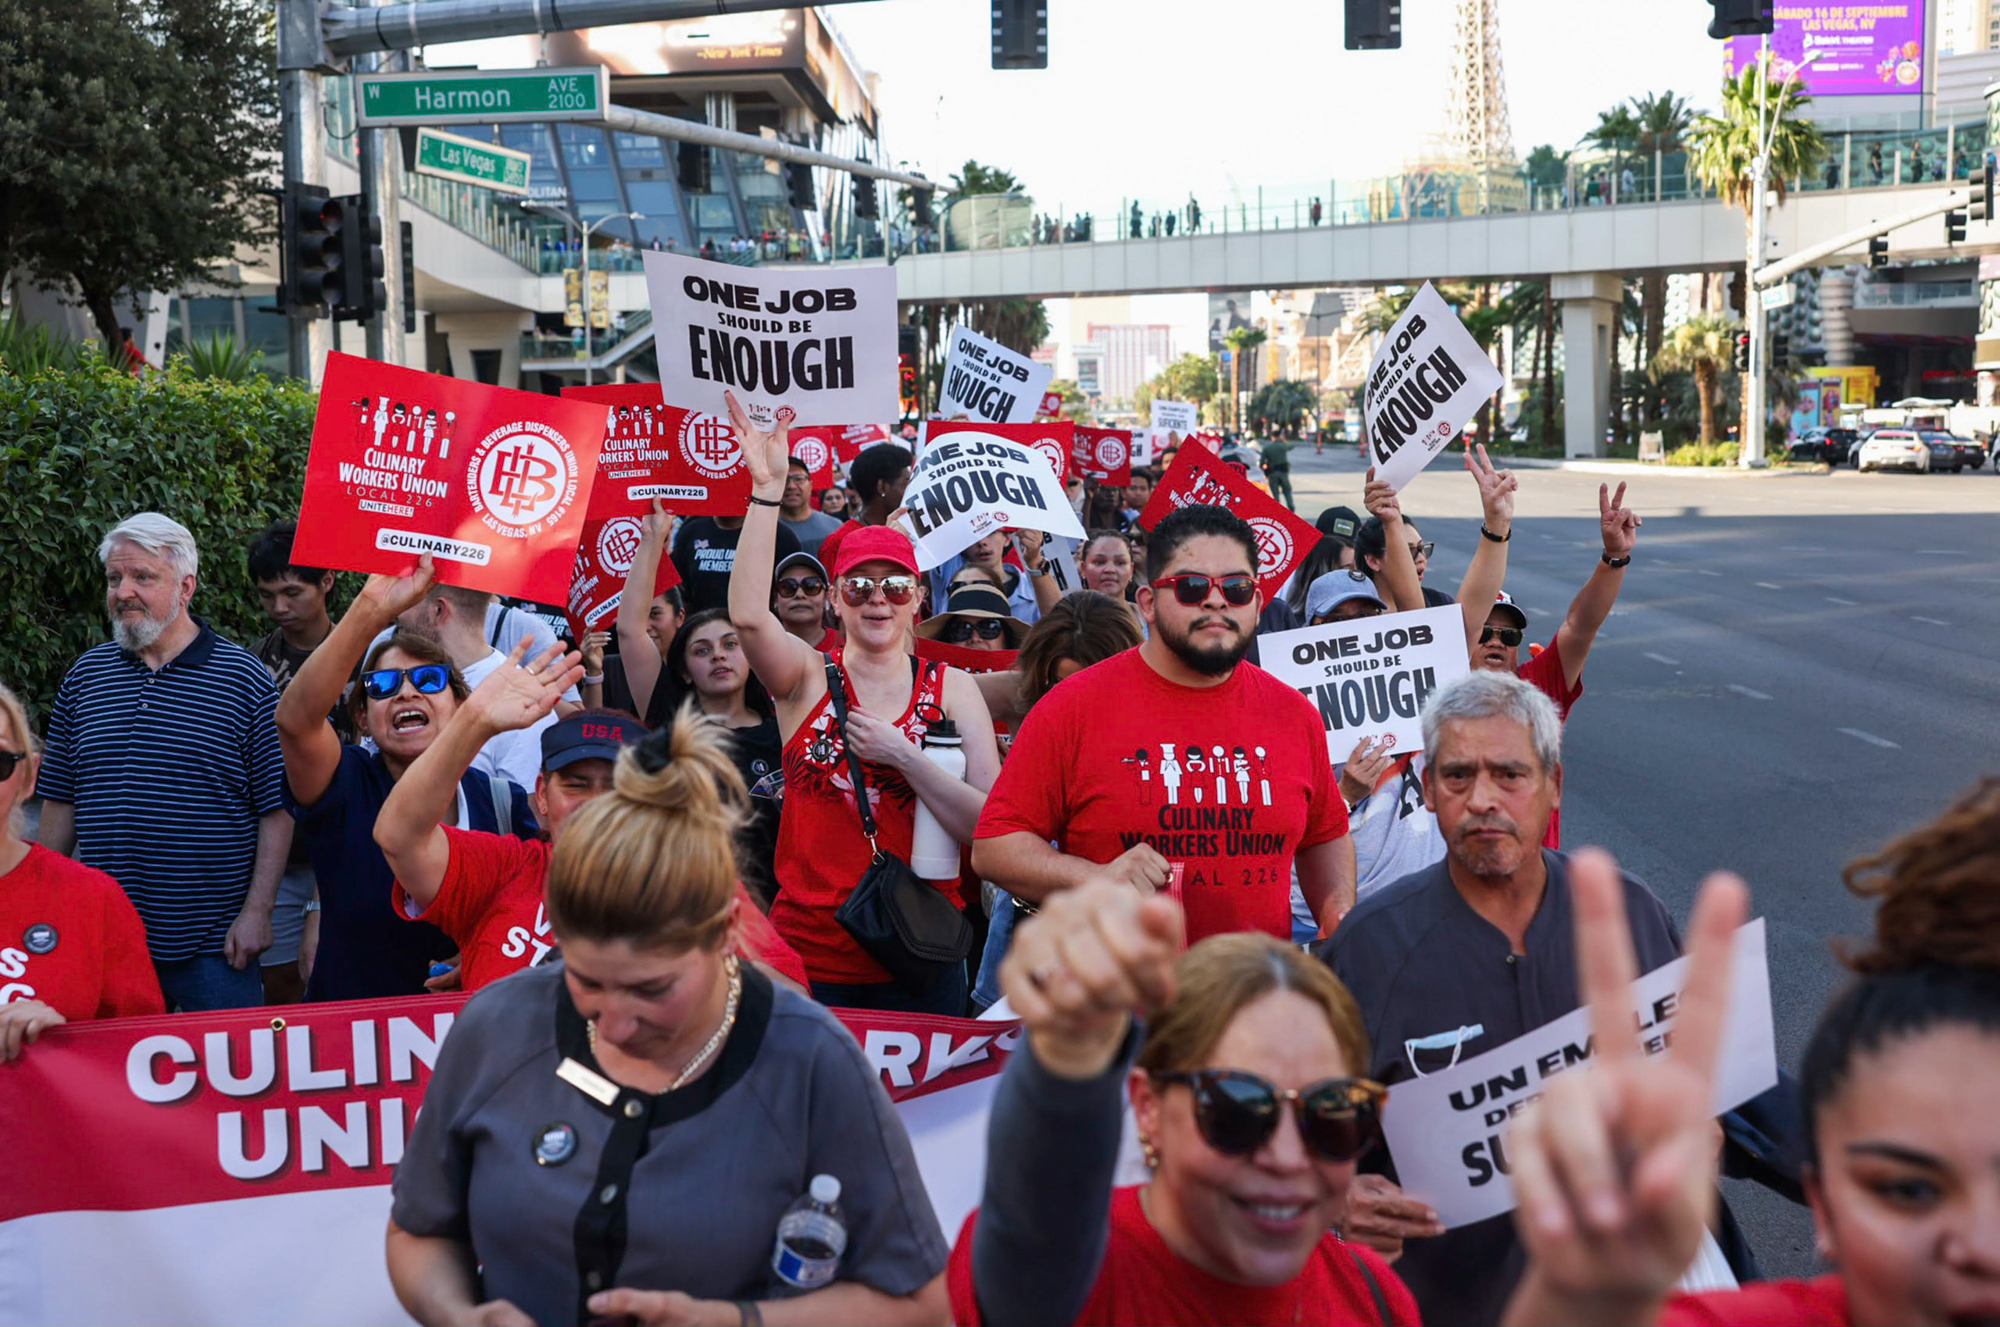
(822, 852)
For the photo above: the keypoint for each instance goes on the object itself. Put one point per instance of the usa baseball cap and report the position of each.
(1503, 604)
(590, 735)
(874, 543)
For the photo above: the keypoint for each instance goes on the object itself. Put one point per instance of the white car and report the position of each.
(1894, 449)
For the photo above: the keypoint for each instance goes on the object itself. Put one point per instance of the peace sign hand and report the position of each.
(766, 453)
(1496, 489)
(1614, 1168)
(1620, 523)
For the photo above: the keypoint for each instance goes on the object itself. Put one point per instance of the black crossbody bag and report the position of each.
(899, 919)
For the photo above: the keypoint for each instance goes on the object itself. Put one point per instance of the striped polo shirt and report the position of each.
(169, 771)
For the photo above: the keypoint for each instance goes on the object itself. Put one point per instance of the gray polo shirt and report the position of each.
(1420, 963)
(681, 1191)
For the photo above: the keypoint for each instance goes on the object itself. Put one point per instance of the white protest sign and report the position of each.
(1427, 378)
(819, 342)
(989, 383)
(1447, 1131)
(1142, 447)
(1183, 417)
(968, 484)
(1372, 675)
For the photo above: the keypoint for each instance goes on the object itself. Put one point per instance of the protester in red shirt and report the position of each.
(485, 891)
(72, 947)
(1896, 1092)
(1178, 766)
(1248, 1112)
(892, 698)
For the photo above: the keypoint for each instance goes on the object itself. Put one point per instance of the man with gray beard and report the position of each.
(162, 769)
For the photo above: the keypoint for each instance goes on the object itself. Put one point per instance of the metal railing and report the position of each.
(537, 344)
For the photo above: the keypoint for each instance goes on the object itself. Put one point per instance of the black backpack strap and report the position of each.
(836, 694)
(1374, 1287)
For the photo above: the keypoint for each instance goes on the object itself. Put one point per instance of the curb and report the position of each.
(1629, 468)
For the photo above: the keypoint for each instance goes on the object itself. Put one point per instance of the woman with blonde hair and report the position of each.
(586, 1114)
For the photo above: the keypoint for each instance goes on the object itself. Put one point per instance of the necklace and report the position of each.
(714, 1043)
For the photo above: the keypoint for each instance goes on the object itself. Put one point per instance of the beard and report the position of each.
(136, 637)
(1489, 856)
(1210, 661)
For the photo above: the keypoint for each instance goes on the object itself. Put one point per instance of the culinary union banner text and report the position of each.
(234, 1167)
(493, 483)
(691, 462)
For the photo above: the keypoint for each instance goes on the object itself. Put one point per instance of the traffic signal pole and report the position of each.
(301, 59)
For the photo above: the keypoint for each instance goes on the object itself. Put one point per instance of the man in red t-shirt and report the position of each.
(1177, 766)
(486, 891)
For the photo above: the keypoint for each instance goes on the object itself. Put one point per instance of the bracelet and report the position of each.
(1044, 570)
(1496, 538)
(1612, 562)
(751, 1314)
(597, 681)
(756, 501)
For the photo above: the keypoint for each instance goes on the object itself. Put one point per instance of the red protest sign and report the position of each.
(1197, 475)
(964, 657)
(850, 440)
(1051, 406)
(493, 483)
(1103, 454)
(690, 462)
(1052, 438)
(814, 446)
(603, 560)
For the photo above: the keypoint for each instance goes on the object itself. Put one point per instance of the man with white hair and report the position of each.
(163, 770)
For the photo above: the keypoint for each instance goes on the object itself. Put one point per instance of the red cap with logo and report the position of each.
(874, 543)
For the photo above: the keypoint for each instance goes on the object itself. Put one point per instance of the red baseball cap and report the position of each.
(874, 543)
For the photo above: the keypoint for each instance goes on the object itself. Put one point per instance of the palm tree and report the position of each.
(1546, 169)
(1241, 341)
(1616, 132)
(1700, 346)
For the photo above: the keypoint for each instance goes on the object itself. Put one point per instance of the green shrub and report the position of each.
(82, 449)
(1715, 453)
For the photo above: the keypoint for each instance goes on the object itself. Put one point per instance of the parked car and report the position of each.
(1831, 445)
(1894, 449)
(1951, 452)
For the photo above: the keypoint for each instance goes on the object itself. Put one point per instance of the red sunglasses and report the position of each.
(1191, 587)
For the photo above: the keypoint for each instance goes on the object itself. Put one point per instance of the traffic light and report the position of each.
(866, 206)
(1374, 25)
(1981, 181)
(691, 167)
(799, 186)
(1742, 352)
(1781, 349)
(1878, 251)
(920, 202)
(355, 289)
(311, 250)
(1020, 34)
(1954, 227)
(1739, 18)
(409, 252)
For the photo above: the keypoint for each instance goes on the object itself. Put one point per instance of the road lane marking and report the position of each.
(1747, 691)
(1766, 585)
(1918, 617)
(1661, 658)
(1870, 738)
(1846, 603)
(1938, 552)
(1543, 612)
(1706, 572)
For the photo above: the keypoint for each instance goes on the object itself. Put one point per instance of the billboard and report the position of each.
(1871, 48)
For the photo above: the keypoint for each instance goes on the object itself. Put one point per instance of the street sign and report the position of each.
(482, 96)
(470, 161)
(1775, 297)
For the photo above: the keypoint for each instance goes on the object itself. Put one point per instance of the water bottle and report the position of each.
(933, 851)
(811, 1236)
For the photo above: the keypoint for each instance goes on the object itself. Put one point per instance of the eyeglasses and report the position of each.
(898, 590)
(1192, 587)
(793, 586)
(965, 628)
(1509, 636)
(8, 761)
(1423, 550)
(426, 678)
(1237, 1112)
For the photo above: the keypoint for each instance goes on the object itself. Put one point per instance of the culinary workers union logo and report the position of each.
(812, 452)
(522, 477)
(1110, 452)
(617, 544)
(709, 445)
(1274, 543)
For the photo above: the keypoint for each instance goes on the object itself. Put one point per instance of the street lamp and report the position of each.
(585, 227)
(1753, 304)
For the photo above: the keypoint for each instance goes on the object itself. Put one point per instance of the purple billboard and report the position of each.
(1870, 48)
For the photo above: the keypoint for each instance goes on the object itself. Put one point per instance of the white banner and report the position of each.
(1427, 378)
(1183, 417)
(968, 484)
(818, 341)
(1447, 1131)
(1372, 675)
(985, 381)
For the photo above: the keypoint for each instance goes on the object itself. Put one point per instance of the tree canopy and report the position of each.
(1724, 146)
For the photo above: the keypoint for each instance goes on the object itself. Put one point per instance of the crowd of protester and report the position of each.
(647, 853)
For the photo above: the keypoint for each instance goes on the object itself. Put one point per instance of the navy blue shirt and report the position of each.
(365, 949)
(169, 771)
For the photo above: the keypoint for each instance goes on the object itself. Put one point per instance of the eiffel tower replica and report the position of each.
(1471, 167)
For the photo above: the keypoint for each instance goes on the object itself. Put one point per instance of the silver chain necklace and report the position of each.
(713, 1044)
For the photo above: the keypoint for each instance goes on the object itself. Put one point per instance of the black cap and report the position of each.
(1340, 522)
(591, 735)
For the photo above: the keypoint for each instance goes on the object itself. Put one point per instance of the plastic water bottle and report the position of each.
(933, 851)
(811, 1237)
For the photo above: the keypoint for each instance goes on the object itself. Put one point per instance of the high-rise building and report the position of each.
(1134, 354)
(1967, 25)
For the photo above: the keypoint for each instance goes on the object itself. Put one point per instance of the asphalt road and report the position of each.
(1800, 667)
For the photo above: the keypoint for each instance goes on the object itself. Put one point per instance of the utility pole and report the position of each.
(301, 61)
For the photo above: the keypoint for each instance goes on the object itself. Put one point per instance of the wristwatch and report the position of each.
(1044, 570)
(1612, 562)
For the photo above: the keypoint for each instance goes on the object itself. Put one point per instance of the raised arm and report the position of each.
(409, 827)
(305, 735)
(1487, 575)
(1398, 581)
(1033, 547)
(1619, 525)
(782, 662)
(636, 651)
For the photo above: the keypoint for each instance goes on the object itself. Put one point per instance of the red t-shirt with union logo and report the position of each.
(1229, 781)
(71, 939)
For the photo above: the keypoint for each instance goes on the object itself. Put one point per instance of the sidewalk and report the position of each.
(1596, 466)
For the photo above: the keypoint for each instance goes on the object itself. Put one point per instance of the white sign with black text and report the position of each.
(1371, 675)
(985, 381)
(1447, 1131)
(968, 484)
(1183, 417)
(816, 342)
(1427, 379)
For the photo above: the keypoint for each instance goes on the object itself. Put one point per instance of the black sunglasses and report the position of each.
(1237, 1112)
(1192, 587)
(8, 761)
(1423, 550)
(793, 586)
(1509, 636)
(965, 628)
(429, 679)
